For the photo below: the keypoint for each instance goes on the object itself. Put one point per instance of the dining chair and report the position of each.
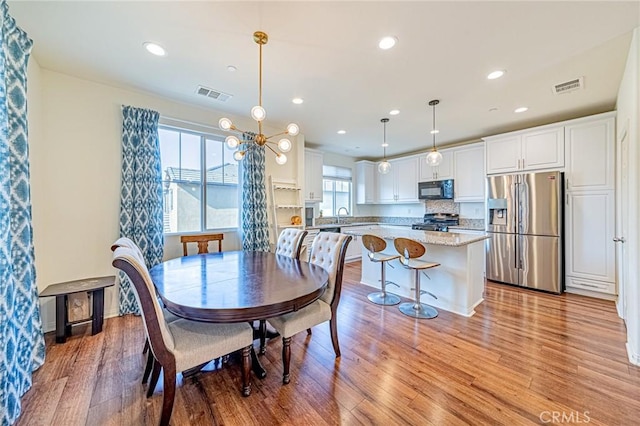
(202, 240)
(183, 344)
(289, 244)
(327, 251)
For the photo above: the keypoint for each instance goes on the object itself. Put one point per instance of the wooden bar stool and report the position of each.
(376, 245)
(409, 250)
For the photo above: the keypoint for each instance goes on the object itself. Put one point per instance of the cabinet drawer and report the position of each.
(599, 286)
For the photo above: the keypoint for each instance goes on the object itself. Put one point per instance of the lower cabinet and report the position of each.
(354, 249)
(306, 244)
(589, 246)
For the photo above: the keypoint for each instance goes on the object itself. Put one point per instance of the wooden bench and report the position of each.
(95, 286)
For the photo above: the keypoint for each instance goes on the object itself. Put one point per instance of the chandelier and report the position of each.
(259, 114)
(384, 167)
(434, 158)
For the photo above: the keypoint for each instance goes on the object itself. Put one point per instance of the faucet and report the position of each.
(339, 210)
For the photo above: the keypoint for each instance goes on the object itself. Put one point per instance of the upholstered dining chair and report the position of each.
(289, 244)
(202, 240)
(183, 344)
(328, 251)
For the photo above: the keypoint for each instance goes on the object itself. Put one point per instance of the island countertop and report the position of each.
(452, 239)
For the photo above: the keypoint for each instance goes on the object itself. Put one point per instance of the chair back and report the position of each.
(160, 338)
(290, 242)
(202, 240)
(409, 248)
(373, 243)
(127, 242)
(328, 251)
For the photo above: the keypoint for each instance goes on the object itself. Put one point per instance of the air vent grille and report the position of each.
(568, 86)
(213, 94)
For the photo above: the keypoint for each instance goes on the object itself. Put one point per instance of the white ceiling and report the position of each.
(326, 53)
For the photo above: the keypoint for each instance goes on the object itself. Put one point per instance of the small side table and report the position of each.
(95, 286)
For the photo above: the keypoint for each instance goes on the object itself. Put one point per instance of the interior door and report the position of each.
(502, 258)
(540, 263)
(622, 218)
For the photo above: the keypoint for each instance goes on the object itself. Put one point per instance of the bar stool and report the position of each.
(409, 251)
(375, 245)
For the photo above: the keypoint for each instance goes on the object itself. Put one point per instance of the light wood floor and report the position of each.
(523, 358)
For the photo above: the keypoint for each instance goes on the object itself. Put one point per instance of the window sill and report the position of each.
(209, 231)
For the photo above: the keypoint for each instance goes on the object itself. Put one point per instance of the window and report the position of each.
(336, 190)
(195, 201)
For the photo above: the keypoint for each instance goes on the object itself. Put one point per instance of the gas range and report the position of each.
(437, 222)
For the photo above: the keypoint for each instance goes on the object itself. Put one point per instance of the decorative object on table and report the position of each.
(434, 158)
(384, 167)
(250, 140)
(376, 246)
(296, 220)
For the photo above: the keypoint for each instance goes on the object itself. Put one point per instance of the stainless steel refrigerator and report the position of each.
(524, 225)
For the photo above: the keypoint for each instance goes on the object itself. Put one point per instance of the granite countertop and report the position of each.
(469, 227)
(452, 239)
(342, 225)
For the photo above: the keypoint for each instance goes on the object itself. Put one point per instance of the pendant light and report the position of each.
(384, 167)
(434, 158)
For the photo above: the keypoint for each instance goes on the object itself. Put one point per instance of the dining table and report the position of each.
(237, 286)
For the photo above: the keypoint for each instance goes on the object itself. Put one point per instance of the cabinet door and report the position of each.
(365, 183)
(590, 155)
(543, 149)
(590, 224)
(406, 175)
(503, 155)
(469, 178)
(313, 175)
(440, 172)
(386, 185)
(354, 249)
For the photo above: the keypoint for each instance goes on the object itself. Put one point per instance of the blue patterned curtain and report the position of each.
(255, 225)
(22, 347)
(141, 194)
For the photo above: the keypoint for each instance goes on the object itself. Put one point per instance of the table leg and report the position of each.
(61, 318)
(98, 311)
(256, 366)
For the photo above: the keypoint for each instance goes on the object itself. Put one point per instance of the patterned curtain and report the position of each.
(255, 226)
(141, 194)
(22, 347)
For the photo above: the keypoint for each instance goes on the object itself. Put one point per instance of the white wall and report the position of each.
(76, 162)
(627, 117)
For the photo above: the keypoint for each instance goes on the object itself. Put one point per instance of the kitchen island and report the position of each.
(458, 282)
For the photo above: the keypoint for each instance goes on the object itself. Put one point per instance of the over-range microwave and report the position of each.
(436, 190)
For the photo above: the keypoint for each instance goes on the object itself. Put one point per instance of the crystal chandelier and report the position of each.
(258, 113)
(434, 158)
(384, 167)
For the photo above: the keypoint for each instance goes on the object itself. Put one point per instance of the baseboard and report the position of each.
(634, 358)
(51, 325)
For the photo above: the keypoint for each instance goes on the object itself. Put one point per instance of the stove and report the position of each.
(437, 222)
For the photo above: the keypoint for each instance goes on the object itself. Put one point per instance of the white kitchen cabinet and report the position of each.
(313, 175)
(536, 149)
(400, 185)
(307, 243)
(469, 176)
(354, 249)
(440, 172)
(365, 182)
(589, 231)
(590, 155)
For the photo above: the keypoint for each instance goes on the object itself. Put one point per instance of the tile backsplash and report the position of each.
(441, 206)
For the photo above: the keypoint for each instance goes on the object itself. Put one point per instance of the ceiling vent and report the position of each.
(213, 94)
(568, 86)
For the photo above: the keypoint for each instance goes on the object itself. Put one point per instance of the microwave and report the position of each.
(436, 190)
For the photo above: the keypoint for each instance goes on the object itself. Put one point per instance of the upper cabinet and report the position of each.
(365, 182)
(400, 185)
(440, 172)
(590, 152)
(525, 151)
(469, 179)
(312, 175)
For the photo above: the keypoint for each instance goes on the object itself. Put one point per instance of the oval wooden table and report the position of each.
(237, 286)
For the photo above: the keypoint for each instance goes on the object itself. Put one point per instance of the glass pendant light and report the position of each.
(384, 167)
(434, 158)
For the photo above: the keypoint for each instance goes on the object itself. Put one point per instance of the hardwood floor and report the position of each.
(523, 358)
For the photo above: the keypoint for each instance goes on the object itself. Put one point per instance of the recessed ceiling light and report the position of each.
(521, 109)
(342, 132)
(435, 131)
(387, 42)
(231, 68)
(385, 144)
(297, 101)
(394, 112)
(154, 49)
(496, 74)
